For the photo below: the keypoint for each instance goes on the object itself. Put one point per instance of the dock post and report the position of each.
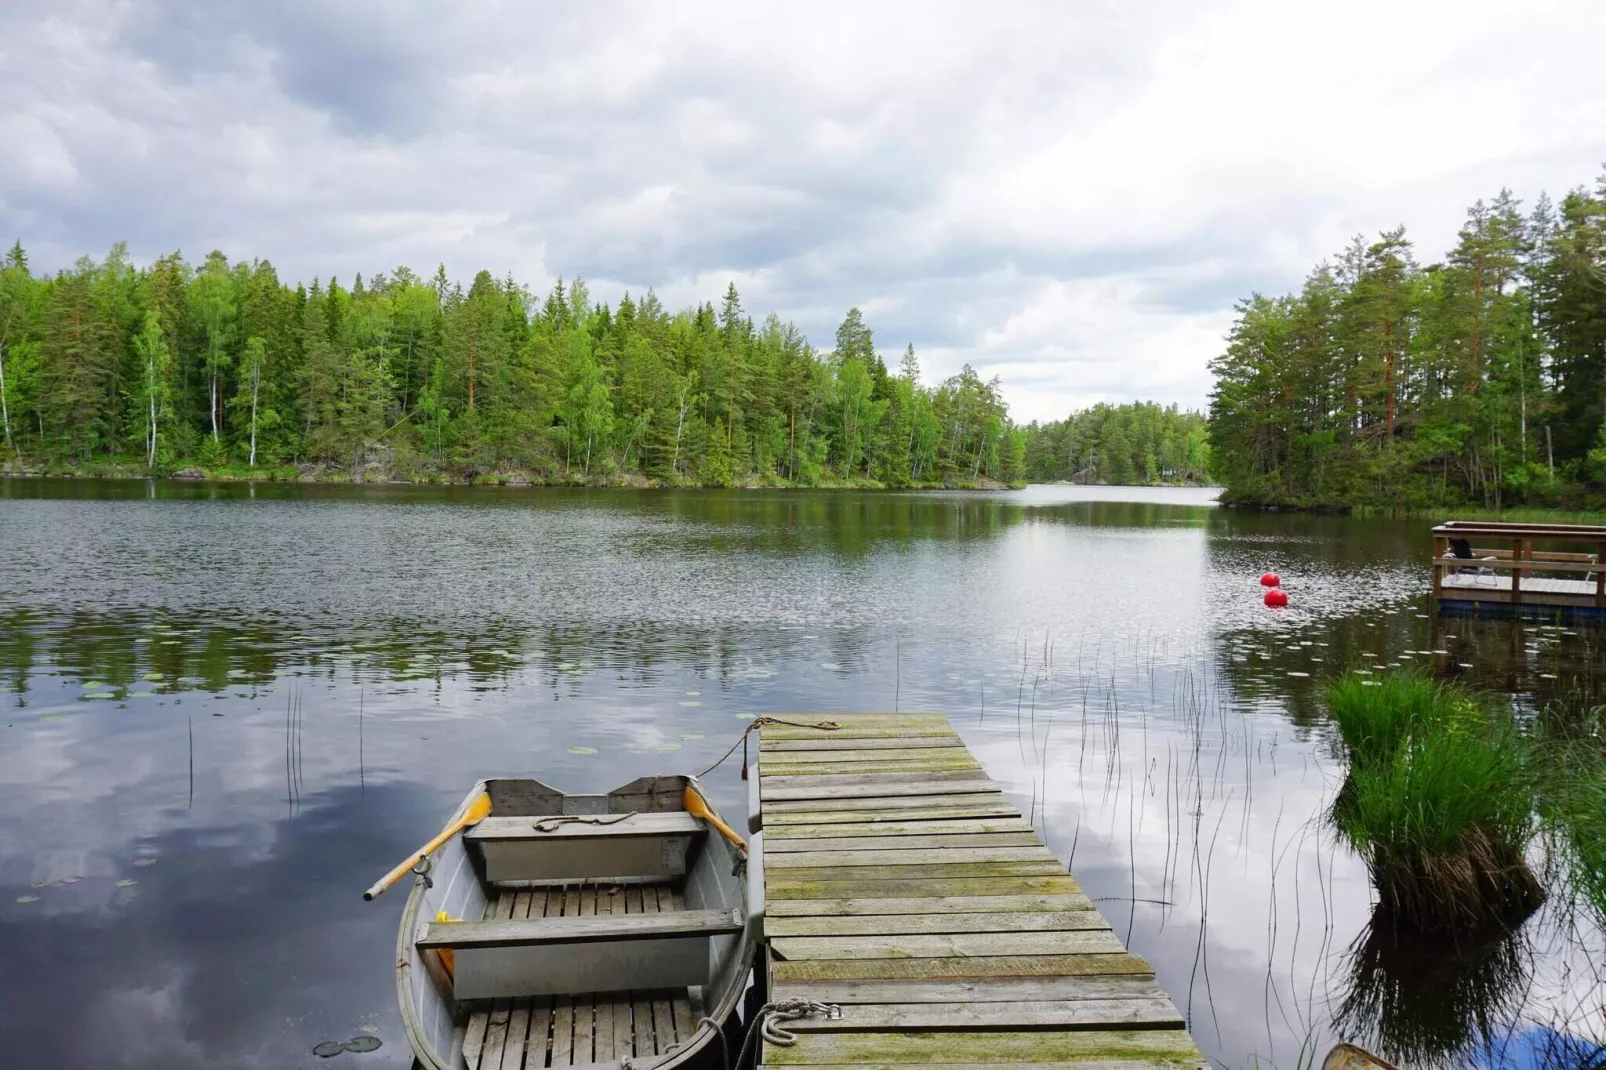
(1600, 575)
(1516, 571)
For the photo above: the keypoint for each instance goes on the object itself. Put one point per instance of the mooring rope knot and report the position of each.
(771, 1015)
(768, 1018)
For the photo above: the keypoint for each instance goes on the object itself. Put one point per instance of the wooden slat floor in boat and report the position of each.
(598, 1027)
(903, 887)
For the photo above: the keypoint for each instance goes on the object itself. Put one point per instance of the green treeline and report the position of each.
(1140, 442)
(1382, 382)
(224, 366)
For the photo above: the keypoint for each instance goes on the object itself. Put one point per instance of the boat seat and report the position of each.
(595, 953)
(586, 846)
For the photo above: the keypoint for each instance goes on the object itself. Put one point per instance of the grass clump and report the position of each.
(1440, 802)
(1374, 717)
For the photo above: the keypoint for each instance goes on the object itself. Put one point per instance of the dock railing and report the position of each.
(1520, 564)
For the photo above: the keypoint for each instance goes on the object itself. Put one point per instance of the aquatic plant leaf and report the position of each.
(144, 861)
(54, 717)
(25, 899)
(69, 880)
(101, 694)
(329, 1048)
(93, 685)
(582, 750)
(40, 884)
(692, 703)
(666, 746)
(364, 1042)
(126, 883)
(694, 694)
(153, 677)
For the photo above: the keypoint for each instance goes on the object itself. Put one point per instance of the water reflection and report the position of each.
(1427, 1002)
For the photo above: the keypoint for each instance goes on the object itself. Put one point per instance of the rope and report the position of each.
(724, 1048)
(551, 824)
(759, 722)
(770, 1016)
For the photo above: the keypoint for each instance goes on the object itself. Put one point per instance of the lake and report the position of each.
(228, 708)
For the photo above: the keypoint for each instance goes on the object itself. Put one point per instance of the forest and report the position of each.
(222, 368)
(1135, 443)
(1383, 383)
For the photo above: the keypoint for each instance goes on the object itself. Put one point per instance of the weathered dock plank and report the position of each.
(1147, 1048)
(908, 841)
(901, 886)
(969, 922)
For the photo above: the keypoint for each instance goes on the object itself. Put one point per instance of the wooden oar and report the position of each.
(697, 806)
(477, 811)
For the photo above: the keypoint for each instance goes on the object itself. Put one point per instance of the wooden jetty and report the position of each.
(902, 887)
(1519, 568)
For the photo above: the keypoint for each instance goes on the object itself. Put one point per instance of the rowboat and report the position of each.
(549, 929)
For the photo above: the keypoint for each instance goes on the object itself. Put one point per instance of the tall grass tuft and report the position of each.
(1440, 803)
(1374, 716)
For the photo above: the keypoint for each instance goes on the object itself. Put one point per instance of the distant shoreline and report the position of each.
(324, 476)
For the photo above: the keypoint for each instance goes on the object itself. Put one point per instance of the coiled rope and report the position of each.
(759, 722)
(551, 824)
(768, 1022)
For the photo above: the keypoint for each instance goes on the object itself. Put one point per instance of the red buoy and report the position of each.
(1269, 579)
(1277, 598)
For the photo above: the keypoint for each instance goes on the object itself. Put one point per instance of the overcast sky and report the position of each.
(1069, 195)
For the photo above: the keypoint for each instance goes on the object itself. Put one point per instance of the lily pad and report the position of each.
(101, 694)
(363, 1042)
(25, 899)
(153, 677)
(666, 746)
(40, 884)
(126, 883)
(694, 694)
(142, 862)
(54, 717)
(694, 735)
(329, 1048)
(94, 685)
(69, 880)
(582, 750)
(691, 704)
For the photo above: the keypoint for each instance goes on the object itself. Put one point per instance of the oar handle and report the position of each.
(476, 812)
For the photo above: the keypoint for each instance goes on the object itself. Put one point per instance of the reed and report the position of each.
(1440, 803)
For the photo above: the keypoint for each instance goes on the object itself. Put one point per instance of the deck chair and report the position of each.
(1461, 549)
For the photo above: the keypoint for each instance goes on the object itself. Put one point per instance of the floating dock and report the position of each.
(1548, 569)
(901, 886)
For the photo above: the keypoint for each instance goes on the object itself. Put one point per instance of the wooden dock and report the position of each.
(902, 887)
(1519, 568)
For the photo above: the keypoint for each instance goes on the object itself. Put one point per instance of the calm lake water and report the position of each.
(182, 859)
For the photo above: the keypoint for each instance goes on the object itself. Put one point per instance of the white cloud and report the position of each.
(1071, 197)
